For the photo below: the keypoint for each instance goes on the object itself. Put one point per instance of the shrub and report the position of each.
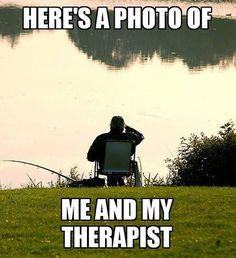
(203, 160)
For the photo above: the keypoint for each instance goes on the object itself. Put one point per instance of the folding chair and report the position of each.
(118, 161)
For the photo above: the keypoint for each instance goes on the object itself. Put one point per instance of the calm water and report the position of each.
(59, 89)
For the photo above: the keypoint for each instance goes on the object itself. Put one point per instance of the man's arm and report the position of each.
(93, 151)
(96, 150)
(135, 135)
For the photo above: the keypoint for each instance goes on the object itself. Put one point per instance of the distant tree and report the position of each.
(203, 160)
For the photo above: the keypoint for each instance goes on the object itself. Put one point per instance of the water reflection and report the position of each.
(11, 24)
(197, 49)
(120, 48)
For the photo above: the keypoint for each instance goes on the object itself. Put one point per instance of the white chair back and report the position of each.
(117, 158)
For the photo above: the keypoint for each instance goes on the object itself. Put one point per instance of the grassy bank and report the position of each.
(204, 221)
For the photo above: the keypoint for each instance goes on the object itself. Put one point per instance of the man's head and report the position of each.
(117, 124)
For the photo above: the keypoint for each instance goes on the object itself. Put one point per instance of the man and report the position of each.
(97, 149)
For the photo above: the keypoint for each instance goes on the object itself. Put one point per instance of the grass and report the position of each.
(204, 221)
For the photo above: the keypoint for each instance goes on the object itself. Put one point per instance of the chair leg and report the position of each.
(138, 176)
(96, 169)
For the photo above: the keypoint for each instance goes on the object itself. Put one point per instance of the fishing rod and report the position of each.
(38, 166)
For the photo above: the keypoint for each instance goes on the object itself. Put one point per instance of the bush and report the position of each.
(203, 160)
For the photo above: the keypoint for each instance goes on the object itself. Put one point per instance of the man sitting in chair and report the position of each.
(97, 149)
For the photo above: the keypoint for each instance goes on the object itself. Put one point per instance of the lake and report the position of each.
(60, 88)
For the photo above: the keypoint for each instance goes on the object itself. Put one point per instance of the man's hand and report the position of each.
(128, 129)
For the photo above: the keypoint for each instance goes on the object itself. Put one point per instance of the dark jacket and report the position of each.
(97, 149)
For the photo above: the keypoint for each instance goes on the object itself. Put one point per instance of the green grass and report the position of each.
(204, 221)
